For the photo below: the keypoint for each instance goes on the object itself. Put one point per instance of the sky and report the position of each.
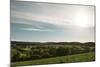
(50, 22)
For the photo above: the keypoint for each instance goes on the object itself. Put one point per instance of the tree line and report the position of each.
(19, 53)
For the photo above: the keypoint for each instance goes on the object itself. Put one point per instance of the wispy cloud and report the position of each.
(38, 30)
(57, 15)
(56, 20)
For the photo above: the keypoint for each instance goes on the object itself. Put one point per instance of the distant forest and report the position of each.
(20, 43)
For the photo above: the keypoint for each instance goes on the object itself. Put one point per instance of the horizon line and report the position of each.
(54, 41)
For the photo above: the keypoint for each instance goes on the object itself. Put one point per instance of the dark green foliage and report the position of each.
(84, 57)
(27, 52)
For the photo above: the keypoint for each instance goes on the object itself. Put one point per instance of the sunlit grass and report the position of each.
(85, 57)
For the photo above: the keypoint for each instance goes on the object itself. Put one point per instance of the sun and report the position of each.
(81, 19)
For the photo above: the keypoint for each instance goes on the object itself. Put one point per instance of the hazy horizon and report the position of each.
(54, 41)
(48, 22)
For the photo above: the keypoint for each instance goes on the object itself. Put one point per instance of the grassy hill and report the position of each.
(85, 57)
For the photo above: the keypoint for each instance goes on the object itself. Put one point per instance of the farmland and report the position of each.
(63, 59)
(35, 53)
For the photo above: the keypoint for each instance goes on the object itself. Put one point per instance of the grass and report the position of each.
(85, 57)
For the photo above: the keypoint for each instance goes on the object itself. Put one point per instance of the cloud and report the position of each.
(61, 15)
(64, 16)
(38, 30)
(57, 20)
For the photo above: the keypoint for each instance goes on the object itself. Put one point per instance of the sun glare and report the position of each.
(81, 19)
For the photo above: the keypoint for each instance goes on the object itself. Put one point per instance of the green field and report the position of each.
(85, 57)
